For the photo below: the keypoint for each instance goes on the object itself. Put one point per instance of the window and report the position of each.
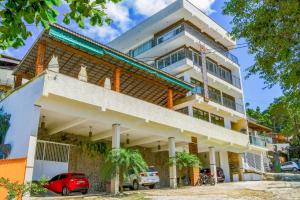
(200, 114)
(63, 176)
(171, 59)
(199, 88)
(219, 71)
(168, 35)
(141, 48)
(184, 110)
(215, 119)
(229, 101)
(55, 178)
(214, 95)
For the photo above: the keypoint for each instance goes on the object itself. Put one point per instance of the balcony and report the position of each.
(260, 140)
(173, 33)
(195, 58)
(219, 99)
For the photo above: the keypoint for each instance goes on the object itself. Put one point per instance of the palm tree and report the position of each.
(184, 160)
(123, 161)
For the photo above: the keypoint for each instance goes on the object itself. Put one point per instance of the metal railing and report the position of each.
(217, 98)
(171, 34)
(260, 140)
(52, 151)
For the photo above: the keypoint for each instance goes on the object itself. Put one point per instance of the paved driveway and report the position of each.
(255, 190)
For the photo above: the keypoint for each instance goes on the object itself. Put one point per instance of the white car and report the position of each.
(150, 178)
(290, 166)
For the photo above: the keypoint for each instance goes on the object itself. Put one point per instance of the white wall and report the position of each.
(24, 117)
(48, 169)
(6, 77)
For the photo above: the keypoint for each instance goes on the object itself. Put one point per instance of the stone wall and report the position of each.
(90, 166)
(160, 160)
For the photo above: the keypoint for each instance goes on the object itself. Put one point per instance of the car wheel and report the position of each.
(295, 169)
(84, 191)
(135, 185)
(65, 191)
(152, 186)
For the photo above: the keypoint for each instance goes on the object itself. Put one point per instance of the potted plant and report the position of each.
(184, 161)
(122, 161)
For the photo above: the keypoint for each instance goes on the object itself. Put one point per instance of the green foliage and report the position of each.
(4, 124)
(124, 161)
(15, 189)
(283, 115)
(93, 148)
(271, 29)
(184, 160)
(26, 13)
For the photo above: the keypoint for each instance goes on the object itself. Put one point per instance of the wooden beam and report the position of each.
(117, 80)
(18, 80)
(98, 60)
(170, 102)
(40, 58)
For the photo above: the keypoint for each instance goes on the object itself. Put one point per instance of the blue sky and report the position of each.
(131, 12)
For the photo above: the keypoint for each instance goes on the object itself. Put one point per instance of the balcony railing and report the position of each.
(217, 98)
(260, 140)
(174, 32)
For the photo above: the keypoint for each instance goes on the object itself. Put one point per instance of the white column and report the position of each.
(224, 164)
(116, 131)
(242, 165)
(227, 122)
(172, 168)
(212, 161)
(31, 149)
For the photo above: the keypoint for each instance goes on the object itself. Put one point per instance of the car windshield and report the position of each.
(78, 176)
(151, 169)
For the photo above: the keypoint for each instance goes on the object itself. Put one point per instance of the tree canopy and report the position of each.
(16, 17)
(272, 31)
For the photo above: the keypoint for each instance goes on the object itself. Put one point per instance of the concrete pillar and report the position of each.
(116, 136)
(227, 122)
(241, 165)
(224, 164)
(32, 142)
(172, 168)
(212, 161)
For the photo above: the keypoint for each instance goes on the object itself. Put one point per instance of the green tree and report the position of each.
(23, 13)
(184, 161)
(123, 161)
(272, 31)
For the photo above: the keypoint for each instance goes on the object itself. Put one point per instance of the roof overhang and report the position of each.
(74, 49)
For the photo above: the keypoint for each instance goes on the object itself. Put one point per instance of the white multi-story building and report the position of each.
(81, 90)
(185, 42)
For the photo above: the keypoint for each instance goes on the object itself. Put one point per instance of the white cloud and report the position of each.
(149, 7)
(204, 5)
(104, 33)
(122, 17)
(119, 13)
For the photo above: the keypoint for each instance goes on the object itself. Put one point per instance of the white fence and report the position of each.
(50, 159)
(52, 151)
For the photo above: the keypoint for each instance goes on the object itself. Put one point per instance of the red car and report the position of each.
(69, 182)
